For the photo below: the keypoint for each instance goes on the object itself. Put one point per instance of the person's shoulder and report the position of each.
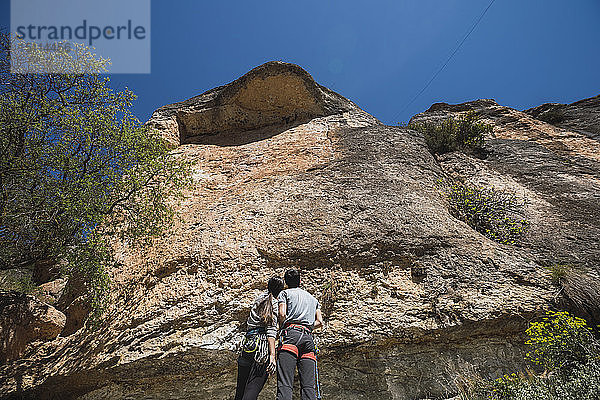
(275, 300)
(282, 295)
(261, 297)
(307, 293)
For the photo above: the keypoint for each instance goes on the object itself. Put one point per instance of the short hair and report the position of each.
(292, 278)
(275, 286)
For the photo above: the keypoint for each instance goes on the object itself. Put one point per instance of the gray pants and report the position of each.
(297, 350)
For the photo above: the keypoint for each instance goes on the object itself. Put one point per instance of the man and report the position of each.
(299, 314)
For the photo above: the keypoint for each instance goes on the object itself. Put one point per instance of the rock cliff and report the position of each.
(582, 116)
(289, 173)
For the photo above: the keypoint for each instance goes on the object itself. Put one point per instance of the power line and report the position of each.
(447, 61)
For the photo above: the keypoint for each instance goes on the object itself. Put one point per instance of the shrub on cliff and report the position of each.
(552, 117)
(462, 133)
(570, 354)
(560, 341)
(499, 215)
(75, 166)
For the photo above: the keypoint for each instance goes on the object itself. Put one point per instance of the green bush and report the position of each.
(462, 133)
(559, 272)
(552, 117)
(560, 341)
(499, 215)
(77, 169)
(582, 384)
(566, 347)
(17, 280)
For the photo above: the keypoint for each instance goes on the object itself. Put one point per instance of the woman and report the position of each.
(257, 357)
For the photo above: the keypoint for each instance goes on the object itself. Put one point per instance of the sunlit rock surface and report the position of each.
(24, 320)
(583, 116)
(288, 173)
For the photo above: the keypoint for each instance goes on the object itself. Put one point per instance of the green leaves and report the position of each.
(560, 340)
(569, 353)
(463, 133)
(499, 215)
(75, 167)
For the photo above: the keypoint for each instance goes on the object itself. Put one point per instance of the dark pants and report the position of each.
(297, 350)
(251, 377)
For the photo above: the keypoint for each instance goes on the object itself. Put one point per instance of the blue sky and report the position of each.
(379, 54)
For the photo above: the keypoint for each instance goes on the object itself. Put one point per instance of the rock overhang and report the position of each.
(274, 94)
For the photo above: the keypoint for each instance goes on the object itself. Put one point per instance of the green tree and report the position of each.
(76, 167)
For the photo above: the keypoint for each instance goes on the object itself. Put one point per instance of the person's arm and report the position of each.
(318, 319)
(282, 313)
(272, 366)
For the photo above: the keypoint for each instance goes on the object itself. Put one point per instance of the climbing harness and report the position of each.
(256, 342)
(293, 348)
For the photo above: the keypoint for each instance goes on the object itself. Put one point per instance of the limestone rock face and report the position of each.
(583, 116)
(556, 170)
(288, 173)
(271, 95)
(53, 289)
(23, 320)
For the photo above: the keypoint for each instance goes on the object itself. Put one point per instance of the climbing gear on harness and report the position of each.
(317, 385)
(296, 351)
(256, 342)
(289, 347)
(299, 327)
(293, 347)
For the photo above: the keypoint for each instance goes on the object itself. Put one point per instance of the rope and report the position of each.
(447, 61)
(317, 385)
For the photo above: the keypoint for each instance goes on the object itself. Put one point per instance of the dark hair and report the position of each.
(265, 308)
(275, 286)
(292, 278)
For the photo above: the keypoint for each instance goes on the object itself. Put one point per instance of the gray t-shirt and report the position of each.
(255, 321)
(301, 306)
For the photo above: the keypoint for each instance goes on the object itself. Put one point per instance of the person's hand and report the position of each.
(272, 366)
